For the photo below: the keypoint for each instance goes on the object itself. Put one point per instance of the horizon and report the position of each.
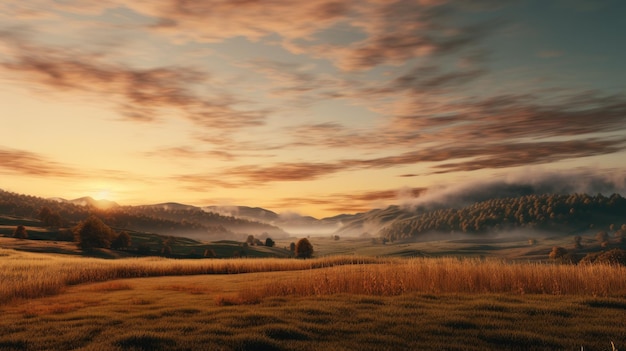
(319, 109)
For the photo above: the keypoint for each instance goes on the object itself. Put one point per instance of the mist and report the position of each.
(530, 182)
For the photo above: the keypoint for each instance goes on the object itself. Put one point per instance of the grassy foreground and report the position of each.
(340, 303)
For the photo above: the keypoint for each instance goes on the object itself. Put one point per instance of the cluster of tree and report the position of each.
(92, 233)
(252, 241)
(302, 249)
(132, 220)
(25, 206)
(50, 218)
(547, 212)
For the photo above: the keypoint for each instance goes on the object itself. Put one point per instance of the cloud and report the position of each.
(28, 163)
(476, 127)
(191, 153)
(429, 78)
(32, 164)
(395, 31)
(526, 116)
(353, 202)
(299, 171)
(474, 157)
(140, 94)
(513, 155)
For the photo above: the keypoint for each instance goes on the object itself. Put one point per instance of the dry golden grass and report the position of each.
(25, 275)
(28, 275)
(151, 316)
(450, 275)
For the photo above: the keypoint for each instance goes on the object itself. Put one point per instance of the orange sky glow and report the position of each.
(318, 107)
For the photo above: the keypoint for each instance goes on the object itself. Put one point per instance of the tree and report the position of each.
(304, 249)
(121, 242)
(292, 247)
(269, 242)
(20, 232)
(93, 233)
(250, 240)
(49, 218)
(44, 213)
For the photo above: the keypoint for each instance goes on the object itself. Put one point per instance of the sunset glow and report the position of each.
(316, 107)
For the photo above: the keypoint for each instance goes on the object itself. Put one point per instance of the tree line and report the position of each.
(552, 212)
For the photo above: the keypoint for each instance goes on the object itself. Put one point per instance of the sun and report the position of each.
(103, 194)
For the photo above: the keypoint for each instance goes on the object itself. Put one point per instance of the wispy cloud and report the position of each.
(474, 157)
(395, 31)
(28, 163)
(32, 164)
(484, 123)
(523, 154)
(353, 202)
(139, 94)
(195, 154)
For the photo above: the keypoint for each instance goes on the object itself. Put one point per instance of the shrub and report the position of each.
(20, 232)
(304, 249)
(557, 252)
(121, 242)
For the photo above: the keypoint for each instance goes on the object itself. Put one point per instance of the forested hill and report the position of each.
(558, 213)
(161, 219)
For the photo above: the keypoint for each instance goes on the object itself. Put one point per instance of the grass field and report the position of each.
(55, 302)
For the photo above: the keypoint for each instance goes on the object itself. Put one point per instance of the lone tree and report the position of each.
(304, 249)
(93, 233)
(20, 232)
(269, 242)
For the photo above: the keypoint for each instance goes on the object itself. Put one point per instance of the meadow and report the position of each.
(337, 303)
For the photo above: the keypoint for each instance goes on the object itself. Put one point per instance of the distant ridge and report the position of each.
(89, 201)
(171, 206)
(293, 223)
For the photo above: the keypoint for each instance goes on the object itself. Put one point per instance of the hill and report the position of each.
(166, 219)
(291, 222)
(566, 214)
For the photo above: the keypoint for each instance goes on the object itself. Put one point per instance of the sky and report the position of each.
(317, 107)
